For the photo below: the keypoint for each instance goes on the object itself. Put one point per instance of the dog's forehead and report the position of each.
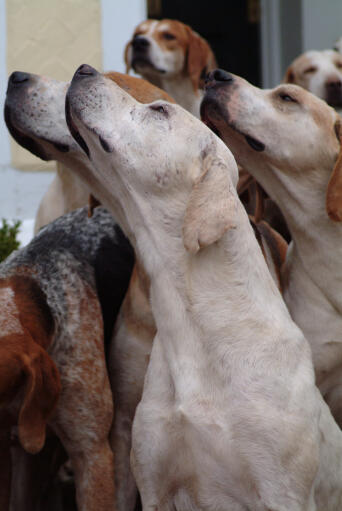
(317, 58)
(146, 27)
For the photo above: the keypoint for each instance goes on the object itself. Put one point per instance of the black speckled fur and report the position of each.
(93, 249)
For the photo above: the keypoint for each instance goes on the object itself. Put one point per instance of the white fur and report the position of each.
(230, 417)
(314, 70)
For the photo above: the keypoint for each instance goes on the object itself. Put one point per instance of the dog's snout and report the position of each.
(85, 70)
(18, 77)
(140, 43)
(334, 84)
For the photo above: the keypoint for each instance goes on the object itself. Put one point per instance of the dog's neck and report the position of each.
(181, 90)
(316, 239)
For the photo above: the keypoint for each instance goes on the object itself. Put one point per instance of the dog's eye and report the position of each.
(287, 97)
(168, 36)
(159, 108)
(310, 69)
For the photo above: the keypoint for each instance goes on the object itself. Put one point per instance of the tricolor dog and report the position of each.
(319, 72)
(230, 416)
(289, 140)
(59, 296)
(174, 57)
(135, 328)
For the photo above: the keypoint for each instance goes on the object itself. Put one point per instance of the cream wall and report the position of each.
(51, 37)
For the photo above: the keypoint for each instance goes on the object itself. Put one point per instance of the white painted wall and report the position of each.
(5, 154)
(290, 27)
(322, 23)
(119, 18)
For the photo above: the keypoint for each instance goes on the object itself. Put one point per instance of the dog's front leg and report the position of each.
(128, 363)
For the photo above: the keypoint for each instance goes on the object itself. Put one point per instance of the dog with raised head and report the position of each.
(172, 56)
(230, 416)
(319, 72)
(59, 297)
(45, 134)
(289, 140)
(135, 328)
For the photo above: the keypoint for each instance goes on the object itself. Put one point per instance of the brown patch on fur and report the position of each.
(140, 89)
(34, 313)
(26, 370)
(136, 307)
(334, 190)
(92, 204)
(277, 246)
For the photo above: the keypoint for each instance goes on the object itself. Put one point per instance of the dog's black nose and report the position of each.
(85, 70)
(140, 43)
(219, 75)
(18, 77)
(334, 85)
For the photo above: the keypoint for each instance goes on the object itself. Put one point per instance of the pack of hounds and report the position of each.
(171, 339)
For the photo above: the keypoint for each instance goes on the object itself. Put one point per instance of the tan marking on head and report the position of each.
(140, 89)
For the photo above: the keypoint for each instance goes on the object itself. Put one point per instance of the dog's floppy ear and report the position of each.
(289, 76)
(42, 389)
(200, 58)
(128, 66)
(211, 208)
(334, 190)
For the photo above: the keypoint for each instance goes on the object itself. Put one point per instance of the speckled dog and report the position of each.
(53, 314)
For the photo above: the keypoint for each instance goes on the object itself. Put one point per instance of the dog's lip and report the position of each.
(253, 142)
(24, 140)
(28, 141)
(73, 128)
(145, 62)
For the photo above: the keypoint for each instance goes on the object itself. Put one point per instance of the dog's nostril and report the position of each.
(19, 77)
(86, 70)
(140, 43)
(334, 84)
(219, 75)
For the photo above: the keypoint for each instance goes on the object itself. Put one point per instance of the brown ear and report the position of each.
(42, 389)
(334, 190)
(128, 66)
(289, 76)
(200, 58)
(211, 208)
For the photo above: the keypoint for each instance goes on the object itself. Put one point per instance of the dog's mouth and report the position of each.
(28, 141)
(73, 128)
(24, 140)
(140, 62)
(211, 110)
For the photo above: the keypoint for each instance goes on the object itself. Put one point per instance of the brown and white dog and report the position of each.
(289, 140)
(319, 72)
(59, 296)
(172, 56)
(230, 417)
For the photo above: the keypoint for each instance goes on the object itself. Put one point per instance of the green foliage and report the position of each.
(8, 238)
